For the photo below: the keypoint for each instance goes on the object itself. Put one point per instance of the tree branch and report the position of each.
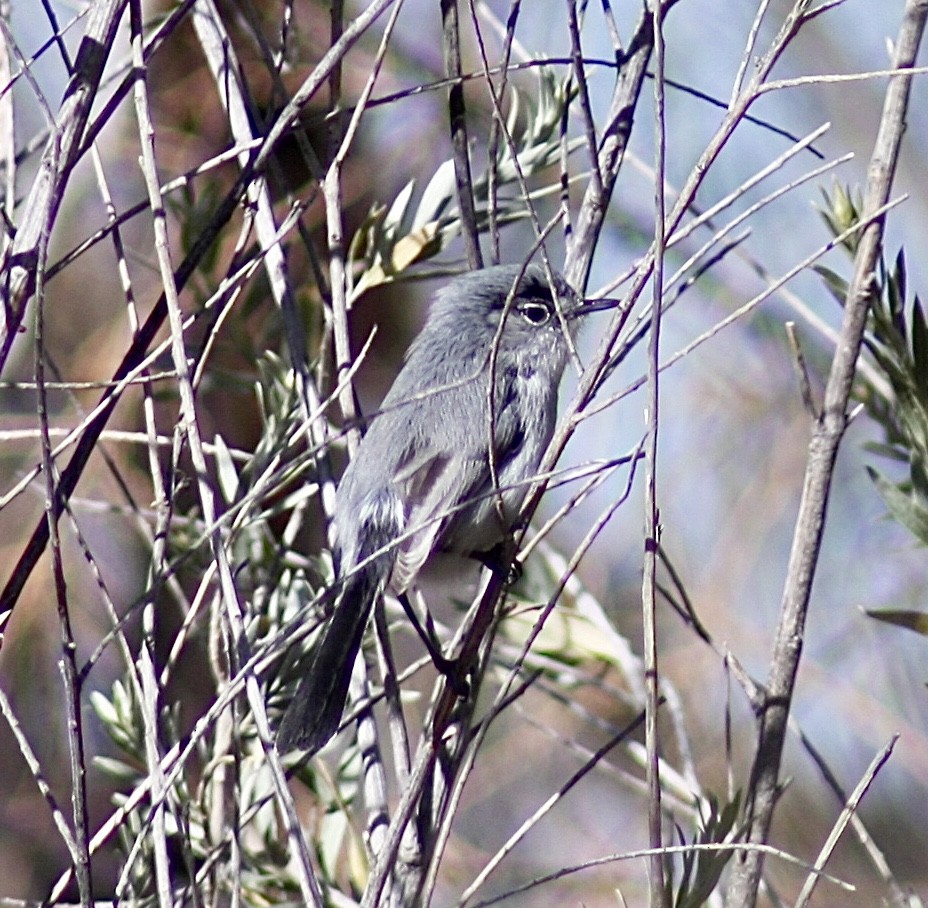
(823, 450)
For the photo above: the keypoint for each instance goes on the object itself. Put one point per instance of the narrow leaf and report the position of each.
(225, 469)
(906, 509)
(914, 621)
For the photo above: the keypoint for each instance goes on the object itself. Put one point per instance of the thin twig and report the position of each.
(586, 110)
(40, 210)
(451, 48)
(849, 810)
(802, 372)
(228, 600)
(374, 774)
(666, 851)
(823, 449)
(68, 663)
(550, 802)
(659, 893)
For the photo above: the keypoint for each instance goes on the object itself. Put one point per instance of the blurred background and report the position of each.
(733, 440)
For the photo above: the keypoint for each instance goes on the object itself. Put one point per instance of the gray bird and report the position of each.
(420, 481)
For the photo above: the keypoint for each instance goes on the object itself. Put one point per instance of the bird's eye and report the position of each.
(535, 313)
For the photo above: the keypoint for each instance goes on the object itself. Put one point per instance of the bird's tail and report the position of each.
(316, 709)
(317, 706)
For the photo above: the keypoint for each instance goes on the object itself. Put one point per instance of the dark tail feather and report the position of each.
(315, 711)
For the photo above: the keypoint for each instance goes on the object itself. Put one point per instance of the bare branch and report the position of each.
(823, 450)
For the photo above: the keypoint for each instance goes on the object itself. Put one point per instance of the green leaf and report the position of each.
(439, 193)
(919, 476)
(910, 511)
(883, 450)
(396, 216)
(836, 284)
(702, 870)
(920, 348)
(117, 770)
(895, 297)
(566, 635)
(899, 273)
(914, 621)
(103, 708)
(840, 212)
(225, 468)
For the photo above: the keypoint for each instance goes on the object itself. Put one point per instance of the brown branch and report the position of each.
(457, 114)
(40, 210)
(659, 894)
(143, 338)
(823, 450)
(612, 145)
(68, 662)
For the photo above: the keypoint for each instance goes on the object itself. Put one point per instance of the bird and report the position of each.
(439, 468)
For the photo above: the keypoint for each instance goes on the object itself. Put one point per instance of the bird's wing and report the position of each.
(445, 490)
(431, 487)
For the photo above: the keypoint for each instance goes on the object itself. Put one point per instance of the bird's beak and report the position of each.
(588, 306)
